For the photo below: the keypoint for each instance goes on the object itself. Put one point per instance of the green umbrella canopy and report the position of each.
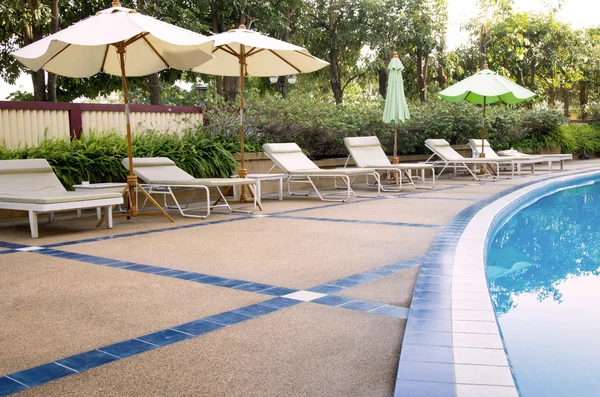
(489, 85)
(485, 87)
(395, 110)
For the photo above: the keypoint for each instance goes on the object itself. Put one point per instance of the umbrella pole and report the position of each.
(396, 160)
(132, 181)
(242, 172)
(482, 154)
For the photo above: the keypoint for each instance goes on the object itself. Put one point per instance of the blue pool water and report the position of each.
(543, 270)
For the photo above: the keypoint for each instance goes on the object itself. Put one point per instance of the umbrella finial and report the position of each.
(395, 54)
(242, 26)
(116, 3)
(485, 66)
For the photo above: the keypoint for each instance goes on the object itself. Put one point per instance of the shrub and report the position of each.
(580, 138)
(97, 157)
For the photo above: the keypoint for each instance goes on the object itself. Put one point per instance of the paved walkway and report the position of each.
(304, 298)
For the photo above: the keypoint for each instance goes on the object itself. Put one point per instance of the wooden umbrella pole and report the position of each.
(396, 160)
(131, 178)
(482, 154)
(242, 172)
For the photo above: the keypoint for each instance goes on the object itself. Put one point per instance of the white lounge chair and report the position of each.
(545, 158)
(367, 153)
(448, 157)
(300, 169)
(164, 177)
(475, 144)
(31, 185)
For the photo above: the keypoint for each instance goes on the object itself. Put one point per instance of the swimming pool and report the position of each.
(543, 272)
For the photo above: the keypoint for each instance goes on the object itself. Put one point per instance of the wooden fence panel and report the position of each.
(27, 123)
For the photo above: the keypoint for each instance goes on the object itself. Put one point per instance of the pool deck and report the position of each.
(303, 298)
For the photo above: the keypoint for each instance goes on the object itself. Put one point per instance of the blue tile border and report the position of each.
(429, 324)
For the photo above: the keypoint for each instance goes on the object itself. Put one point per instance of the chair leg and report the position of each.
(33, 224)
(109, 217)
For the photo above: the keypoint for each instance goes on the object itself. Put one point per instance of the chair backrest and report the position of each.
(475, 144)
(27, 177)
(152, 169)
(366, 151)
(289, 157)
(443, 150)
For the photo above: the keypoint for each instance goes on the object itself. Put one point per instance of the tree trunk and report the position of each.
(334, 78)
(442, 79)
(483, 43)
(231, 87)
(51, 76)
(154, 88)
(565, 95)
(422, 65)
(583, 99)
(383, 77)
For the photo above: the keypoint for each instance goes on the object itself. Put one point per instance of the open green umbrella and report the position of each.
(395, 110)
(486, 86)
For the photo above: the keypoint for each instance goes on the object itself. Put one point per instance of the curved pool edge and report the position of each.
(452, 344)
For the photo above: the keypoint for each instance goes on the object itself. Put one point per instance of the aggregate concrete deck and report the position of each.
(356, 265)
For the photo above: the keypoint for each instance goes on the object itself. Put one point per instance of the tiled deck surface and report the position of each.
(306, 298)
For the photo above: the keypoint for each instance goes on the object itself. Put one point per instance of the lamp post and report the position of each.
(282, 83)
(201, 89)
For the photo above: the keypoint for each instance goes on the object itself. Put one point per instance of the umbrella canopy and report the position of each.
(260, 55)
(122, 42)
(91, 45)
(242, 52)
(396, 109)
(486, 86)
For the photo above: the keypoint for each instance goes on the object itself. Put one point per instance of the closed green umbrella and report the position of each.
(396, 110)
(486, 86)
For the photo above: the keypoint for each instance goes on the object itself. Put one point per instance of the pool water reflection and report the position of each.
(543, 270)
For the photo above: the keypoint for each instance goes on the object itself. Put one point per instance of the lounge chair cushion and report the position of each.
(164, 171)
(33, 181)
(56, 197)
(208, 182)
(367, 153)
(289, 157)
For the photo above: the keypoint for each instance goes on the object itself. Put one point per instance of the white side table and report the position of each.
(260, 178)
(107, 187)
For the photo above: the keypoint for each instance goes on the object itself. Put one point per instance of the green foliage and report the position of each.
(580, 138)
(540, 127)
(96, 157)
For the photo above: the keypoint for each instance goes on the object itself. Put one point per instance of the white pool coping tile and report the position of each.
(483, 375)
(487, 391)
(483, 341)
(477, 356)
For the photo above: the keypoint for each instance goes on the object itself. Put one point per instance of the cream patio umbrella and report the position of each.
(484, 87)
(242, 52)
(121, 42)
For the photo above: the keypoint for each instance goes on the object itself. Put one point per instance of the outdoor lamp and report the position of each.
(281, 79)
(201, 89)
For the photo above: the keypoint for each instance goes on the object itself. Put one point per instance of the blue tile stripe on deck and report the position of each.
(81, 362)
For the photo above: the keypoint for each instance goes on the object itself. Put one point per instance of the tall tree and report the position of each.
(334, 31)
